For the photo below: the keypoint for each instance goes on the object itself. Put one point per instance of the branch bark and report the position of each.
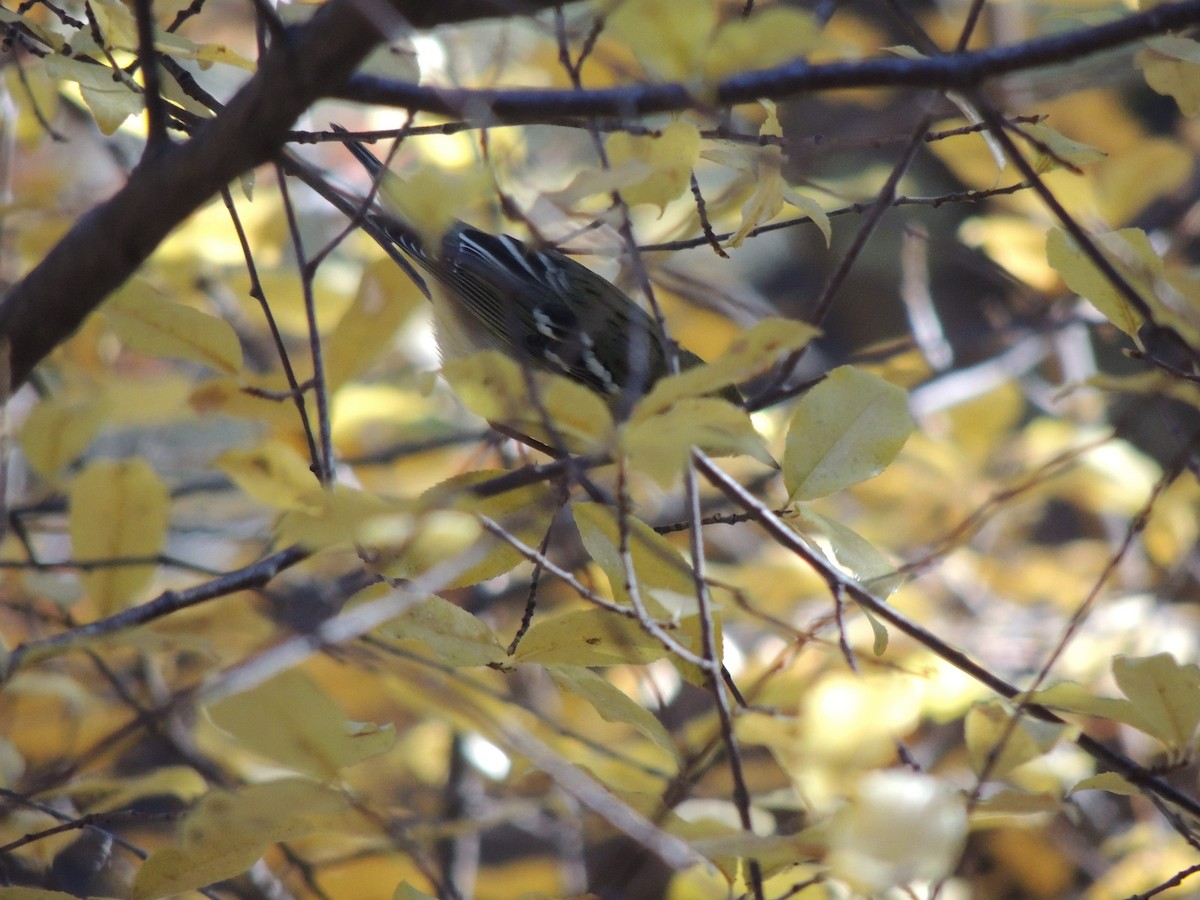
(315, 60)
(108, 244)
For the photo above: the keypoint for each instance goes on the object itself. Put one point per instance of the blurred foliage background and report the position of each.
(231, 677)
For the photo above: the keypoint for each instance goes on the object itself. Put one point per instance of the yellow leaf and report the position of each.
(1107, 781)
(1131, 181)
(766, 39)
(291, 721)
(661, 571)
(272, 473)
(670, 40)
(1165, 694)
(111, 102)
(433, 199)
(845, 430)
(766, 198)
(588, 637)
(661, 445)
(1130, 252)
(451, 635)
(987, 724)
(60, 428)
(1054, 148)
(493, 386)
(872, 857)
(343, 515)
(613, 704)
(149, 323)
(524, 513)
(1171, 66)
(670, 157)
(224, 394)
(228, 831)
(752, 353)
(205, 54)
(119, 509)
(385, 298)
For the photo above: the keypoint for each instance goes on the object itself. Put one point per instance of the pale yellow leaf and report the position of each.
(58, 429)
(670, 157)
(661, 445)
(272, 473)
(766, 197)
(150, 323)
(1171, 66)
(343, 515)
(1052, 148)
(205, 54)
(661, 570)
(450, 525)
(811, 208)
(613, 704)
(493, 386)
(870, 853)
(385, 298)
(227, 832)
(292, 722)
(588, 637)
(453, 636)
(776, 35)
(1165, 694)
(1130, 252)
(670, 40)
(1107, 781)
(118, 509)
(845, 430)
(753, 353)
(111, 102)
(994, 741)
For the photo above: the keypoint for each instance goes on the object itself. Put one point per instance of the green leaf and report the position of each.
(846, 429)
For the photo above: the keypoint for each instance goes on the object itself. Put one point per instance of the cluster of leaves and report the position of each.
(279, 614)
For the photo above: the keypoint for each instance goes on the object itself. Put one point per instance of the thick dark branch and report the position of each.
(953, 71)
(107, 245)
(317, 60)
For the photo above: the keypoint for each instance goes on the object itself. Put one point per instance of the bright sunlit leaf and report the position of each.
(898, 827)
(1165, 694)
(997, 745)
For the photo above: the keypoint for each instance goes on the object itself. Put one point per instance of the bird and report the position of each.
(535, 305)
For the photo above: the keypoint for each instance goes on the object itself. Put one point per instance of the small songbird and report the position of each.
(535, 305)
